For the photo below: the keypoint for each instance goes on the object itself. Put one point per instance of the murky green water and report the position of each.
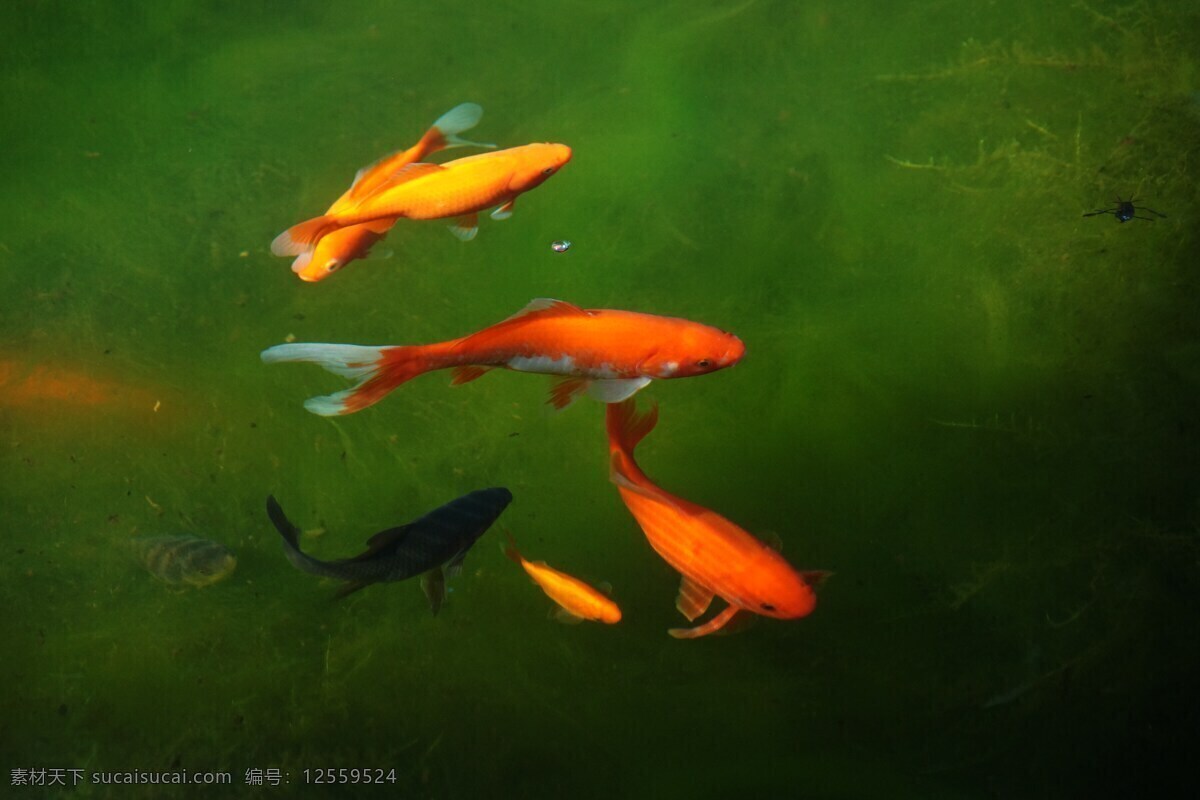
(975, 406)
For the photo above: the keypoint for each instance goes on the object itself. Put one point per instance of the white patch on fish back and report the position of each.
(563, 365)
(668, 369)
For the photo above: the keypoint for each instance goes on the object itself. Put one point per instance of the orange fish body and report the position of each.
(714, 556)
(344, 245)
(458, 189)
(577, 599)
(608, 354)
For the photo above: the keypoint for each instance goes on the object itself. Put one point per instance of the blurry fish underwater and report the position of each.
(184, 560)
(424, 546)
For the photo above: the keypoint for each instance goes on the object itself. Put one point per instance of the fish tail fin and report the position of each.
(445, 130)
(509, 548)
(290, 533)
(376, 370)
(300, 238)
(627, 427)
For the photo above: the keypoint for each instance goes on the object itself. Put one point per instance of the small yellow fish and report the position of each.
(576, 599)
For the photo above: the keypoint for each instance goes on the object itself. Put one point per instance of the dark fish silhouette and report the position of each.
(422, 547)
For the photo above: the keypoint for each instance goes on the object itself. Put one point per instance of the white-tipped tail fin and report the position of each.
(376, 370)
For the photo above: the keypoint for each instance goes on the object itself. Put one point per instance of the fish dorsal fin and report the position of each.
(409, 172)
(693, 599)
(771, 539)
(381, 541)
(605, 588)
(548, 307)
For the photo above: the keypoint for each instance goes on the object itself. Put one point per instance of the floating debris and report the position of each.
(561, 246)
(184, 560)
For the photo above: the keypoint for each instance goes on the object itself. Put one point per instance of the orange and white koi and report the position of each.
(344, 245)
(714, 556)
(458, 189)
(576, 599)
(606, 354)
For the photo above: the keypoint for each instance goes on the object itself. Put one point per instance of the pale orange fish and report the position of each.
(41, 386)
(714, 556)
(576, 599)
(339, 248)
(456, 190)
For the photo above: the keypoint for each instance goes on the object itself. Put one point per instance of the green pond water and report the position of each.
(975, 406)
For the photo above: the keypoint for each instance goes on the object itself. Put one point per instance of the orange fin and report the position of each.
(713, 625)
(510, 548)
(626, 426)
(467, 374)
(299, 238)
(409, 172)
(564, 391)
(693, 599)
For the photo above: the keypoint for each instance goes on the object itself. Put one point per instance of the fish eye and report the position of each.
(332, 264)
(704, 362)
(767, 607)
(548, 171)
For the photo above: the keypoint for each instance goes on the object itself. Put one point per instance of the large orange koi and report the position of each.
(607, 354)
(715, 556)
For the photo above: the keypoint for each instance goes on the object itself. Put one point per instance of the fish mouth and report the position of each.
(734, 352)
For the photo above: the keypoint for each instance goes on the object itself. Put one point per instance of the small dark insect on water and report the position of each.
(1125, 210)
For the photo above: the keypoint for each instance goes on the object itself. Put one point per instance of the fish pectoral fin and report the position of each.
(433, 584)
(693, 599)
(468, 373)
(504, 211)
(564, 391)
(565, 617)
(615, 390)
(713, 625)
(465, 227)
(454, 566)
(816, 577)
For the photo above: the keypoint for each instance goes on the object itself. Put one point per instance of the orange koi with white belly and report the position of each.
(714, 556)
(456, 190)
(344, 245)
(576, 600)
(606, 354)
